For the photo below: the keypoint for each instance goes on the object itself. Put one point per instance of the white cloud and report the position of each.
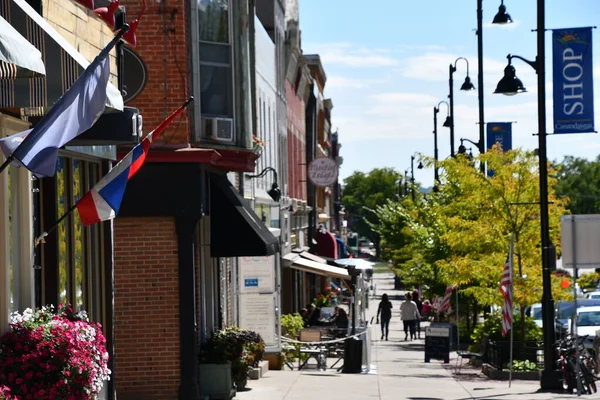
(343, 82)
(352, 55)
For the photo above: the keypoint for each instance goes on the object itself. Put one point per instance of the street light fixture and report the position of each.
(502, 17)
(510, 84)
(467, 85)
(447, 124)
(463, 150)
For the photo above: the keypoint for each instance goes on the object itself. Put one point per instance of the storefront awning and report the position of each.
(235, 229)
(63, 64)
(326, 244)
(292, 260)
(18, 57)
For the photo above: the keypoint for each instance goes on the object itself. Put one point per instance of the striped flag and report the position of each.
(506, 290)
(445, 303)
(103, 201)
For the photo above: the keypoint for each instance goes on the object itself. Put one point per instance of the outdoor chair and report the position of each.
(311, 350)
(461, 355)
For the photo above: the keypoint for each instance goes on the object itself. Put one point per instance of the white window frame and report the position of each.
(22, 232)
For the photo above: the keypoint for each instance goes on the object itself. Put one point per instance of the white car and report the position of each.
(536, 314)
(588, 321)
(593, 295)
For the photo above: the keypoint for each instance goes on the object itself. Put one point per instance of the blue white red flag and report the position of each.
(76, 111)
(103, 201)
(506, 290)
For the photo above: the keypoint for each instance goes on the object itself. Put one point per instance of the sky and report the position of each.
(387, 65)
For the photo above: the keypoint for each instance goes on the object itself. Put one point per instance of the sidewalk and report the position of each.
(400, 373)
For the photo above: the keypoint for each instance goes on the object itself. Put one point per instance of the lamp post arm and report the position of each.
(470, 141)
(456, 61)
(264, 172)
(437, 108)
(532, 64)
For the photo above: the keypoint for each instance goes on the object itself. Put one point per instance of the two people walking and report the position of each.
(410, 314)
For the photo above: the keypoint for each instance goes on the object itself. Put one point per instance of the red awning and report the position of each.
(326, 245)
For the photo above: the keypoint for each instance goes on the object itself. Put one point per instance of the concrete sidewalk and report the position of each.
(399, 373)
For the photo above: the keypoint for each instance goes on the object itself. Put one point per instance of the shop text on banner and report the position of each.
(500, 133)
(573, 80)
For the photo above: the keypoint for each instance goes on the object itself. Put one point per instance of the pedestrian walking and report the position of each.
(385, 309)
(409, 314)
(417, 300)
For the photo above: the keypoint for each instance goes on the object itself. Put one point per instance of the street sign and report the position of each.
(579, 241)
(323, 171)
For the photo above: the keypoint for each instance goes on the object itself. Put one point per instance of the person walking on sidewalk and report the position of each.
(385, 309)
(410, 314)
(415, 298)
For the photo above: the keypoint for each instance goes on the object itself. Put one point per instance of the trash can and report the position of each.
(352, 356)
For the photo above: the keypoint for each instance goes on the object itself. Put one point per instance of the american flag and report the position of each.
(506, 290)
(445, 303)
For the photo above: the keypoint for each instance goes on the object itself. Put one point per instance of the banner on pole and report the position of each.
(499, 133)
(572, 80)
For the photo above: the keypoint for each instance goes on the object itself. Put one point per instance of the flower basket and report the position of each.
(257, 145)
(52, 356)
(242, 349)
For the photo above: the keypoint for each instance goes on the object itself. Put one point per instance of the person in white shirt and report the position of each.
(410, 315)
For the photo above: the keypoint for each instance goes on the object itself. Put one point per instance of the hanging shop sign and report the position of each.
(573, 80)
(323, 171)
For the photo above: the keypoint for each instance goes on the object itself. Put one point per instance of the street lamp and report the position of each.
(467, 85)
(501, 18)
(463, 150)
(511, 85)
(412, 174)
(447, 124)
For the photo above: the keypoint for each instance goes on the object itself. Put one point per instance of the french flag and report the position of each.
(103, 201)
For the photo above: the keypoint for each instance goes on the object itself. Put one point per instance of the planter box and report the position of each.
(215, 381)
(495, 374)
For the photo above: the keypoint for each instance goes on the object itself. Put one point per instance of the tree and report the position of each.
(363, 193)
(579, 183)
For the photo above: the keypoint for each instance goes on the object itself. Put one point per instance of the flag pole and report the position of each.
(510, 357)
(6, 163)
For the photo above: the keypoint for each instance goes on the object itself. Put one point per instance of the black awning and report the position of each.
(235, 229)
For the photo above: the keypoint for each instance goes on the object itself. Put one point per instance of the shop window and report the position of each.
(79, 262)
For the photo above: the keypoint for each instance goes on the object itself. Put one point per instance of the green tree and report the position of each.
(579, 184)
(363, 193)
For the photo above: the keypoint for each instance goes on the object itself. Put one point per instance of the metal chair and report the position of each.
(485, 340)
(312, 350)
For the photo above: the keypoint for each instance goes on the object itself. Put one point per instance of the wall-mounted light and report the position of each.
(274, 192)
(108, 13)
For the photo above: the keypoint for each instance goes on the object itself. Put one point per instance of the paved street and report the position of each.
(400, 373)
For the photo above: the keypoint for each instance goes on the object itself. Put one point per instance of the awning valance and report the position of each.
(326, 244)
(235, 229)
(292, 260)
(18, 57)
(63, 64)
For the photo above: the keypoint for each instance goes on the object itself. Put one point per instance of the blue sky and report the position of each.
(387, 67)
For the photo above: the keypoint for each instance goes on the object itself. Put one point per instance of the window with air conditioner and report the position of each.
(216, 73)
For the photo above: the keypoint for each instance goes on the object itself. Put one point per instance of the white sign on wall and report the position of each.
(323, 171)
(257, 274)
(580, 241)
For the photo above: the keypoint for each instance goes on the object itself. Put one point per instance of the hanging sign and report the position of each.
(499, 133)
(323, 171)
(573, 80)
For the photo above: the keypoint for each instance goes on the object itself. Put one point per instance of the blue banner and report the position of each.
(499, 133)
(573, 80)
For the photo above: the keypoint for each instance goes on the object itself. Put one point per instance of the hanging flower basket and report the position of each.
(47, 356)
(257, 145)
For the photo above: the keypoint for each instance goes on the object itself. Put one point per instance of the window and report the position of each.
(216, 76)
(79, 265)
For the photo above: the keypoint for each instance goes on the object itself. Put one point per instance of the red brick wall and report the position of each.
(296, 143)
(151, 47)
(146, 309)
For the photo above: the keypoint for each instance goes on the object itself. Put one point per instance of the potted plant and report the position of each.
(231, 351)
(47, 355)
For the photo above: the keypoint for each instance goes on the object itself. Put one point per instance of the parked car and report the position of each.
(593, 295)
(565, 311)
(588, 322)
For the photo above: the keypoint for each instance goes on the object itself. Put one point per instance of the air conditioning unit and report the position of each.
(220, 129)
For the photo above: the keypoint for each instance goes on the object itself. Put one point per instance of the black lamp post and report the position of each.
(274, 192)
(501, 18)
(412, 175)
(467, 85)
(447, 124)
(511, 85)
(463, 150)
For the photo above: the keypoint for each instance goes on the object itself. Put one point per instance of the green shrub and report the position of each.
(588, 281)
(525, 366)
(493, 327)
(291, 325)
